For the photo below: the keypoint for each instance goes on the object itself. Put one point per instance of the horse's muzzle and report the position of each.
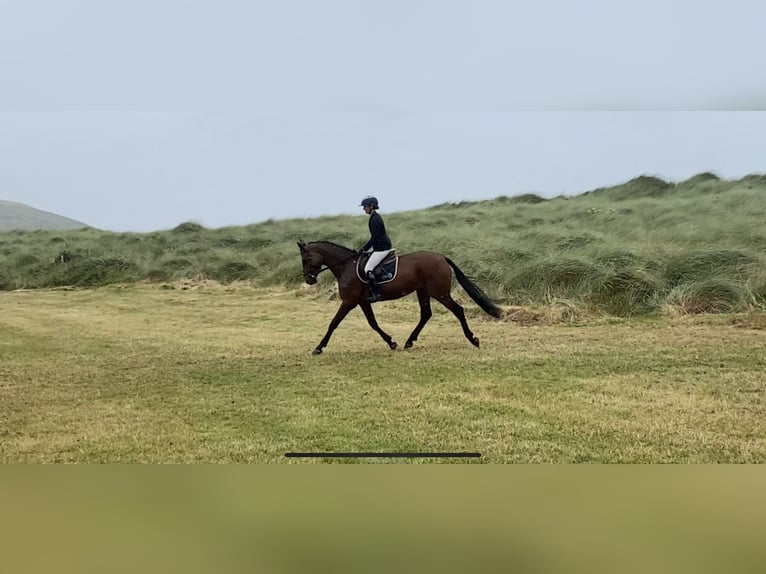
(311, 279)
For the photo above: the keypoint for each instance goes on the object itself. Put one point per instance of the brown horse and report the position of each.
(424, 272)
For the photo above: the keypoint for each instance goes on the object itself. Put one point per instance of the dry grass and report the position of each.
(205, 373)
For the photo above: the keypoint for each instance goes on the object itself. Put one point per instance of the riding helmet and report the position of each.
(370, 201)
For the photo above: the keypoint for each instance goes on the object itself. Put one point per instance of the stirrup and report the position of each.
(374, 293)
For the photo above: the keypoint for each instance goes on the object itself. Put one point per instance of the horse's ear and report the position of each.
(301, 245)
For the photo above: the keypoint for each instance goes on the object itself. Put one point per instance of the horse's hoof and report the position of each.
(408, 345)
(316, 351)
(393, 345)
(475, 341)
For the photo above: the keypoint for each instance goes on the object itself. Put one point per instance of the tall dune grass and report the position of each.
(646, 246)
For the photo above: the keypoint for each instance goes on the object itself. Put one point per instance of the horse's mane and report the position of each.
(334, 245)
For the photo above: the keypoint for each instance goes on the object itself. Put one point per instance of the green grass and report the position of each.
(199, 372)
(646, 247)
(633, 332)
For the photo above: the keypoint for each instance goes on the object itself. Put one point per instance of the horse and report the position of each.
(425, 272)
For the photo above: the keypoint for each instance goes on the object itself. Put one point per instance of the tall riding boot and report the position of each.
(374, 289)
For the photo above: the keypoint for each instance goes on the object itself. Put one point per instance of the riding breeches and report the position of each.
(375, 258)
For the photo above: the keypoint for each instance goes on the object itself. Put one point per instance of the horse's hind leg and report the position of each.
(457, 310)
(424, 299)
(368, 312)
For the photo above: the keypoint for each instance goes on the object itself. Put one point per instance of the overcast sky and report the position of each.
(139, 115)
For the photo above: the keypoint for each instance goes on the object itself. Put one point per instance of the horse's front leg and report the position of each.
(367, 309)
(343, 310)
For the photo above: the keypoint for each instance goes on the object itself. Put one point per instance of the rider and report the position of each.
(379, 243)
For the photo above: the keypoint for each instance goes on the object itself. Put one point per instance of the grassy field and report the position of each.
(209, 373)
(640, 248)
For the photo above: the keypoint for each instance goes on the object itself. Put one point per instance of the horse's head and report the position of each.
(312, 262)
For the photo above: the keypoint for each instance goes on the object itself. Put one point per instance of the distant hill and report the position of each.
(20, 216)
(646, 246)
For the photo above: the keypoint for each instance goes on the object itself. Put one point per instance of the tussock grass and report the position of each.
(646, 246)
(716, 295)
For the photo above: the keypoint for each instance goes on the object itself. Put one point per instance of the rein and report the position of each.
(315, 275)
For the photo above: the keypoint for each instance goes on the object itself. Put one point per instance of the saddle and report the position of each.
(385, 271)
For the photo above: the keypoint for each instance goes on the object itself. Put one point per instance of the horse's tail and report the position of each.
(473, 290)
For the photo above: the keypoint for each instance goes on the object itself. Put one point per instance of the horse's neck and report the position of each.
(334, 254)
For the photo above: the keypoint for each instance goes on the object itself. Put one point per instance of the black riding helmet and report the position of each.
(370, 201)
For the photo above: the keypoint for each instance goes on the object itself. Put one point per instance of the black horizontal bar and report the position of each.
(383, 454)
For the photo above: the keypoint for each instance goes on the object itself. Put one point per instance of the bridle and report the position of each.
(313, 276)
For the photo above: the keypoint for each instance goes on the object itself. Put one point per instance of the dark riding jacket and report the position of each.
(379, 241)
